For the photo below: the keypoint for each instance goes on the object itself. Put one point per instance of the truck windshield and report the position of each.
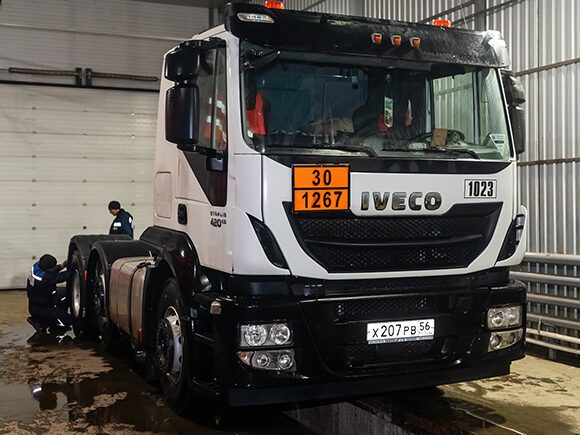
(336, 109)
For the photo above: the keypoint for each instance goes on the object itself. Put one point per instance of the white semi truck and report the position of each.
(336, 213)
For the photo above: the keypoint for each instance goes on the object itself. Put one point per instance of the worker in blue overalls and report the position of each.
(123, 223)
(46, 304)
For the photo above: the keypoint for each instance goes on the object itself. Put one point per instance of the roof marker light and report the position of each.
(396, 40)
(415, 42)
(442, 23)
(274, 4)
(377, 38)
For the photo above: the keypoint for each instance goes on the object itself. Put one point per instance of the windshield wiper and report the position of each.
(452, 151)
(354, 148)
(327, 146)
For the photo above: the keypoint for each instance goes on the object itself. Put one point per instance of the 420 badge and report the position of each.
(218, 218)
(320, 187)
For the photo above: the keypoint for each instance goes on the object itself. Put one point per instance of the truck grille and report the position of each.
(379, 308)
(346, 243)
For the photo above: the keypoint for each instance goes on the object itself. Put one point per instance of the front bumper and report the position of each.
(333, 359)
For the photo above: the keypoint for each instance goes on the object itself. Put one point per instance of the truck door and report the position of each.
(201, 185)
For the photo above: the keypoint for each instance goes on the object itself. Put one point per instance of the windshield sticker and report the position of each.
(439, 137)
(499, 140)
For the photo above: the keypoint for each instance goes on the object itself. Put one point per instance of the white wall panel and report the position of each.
(64, 154)
(113, 36)
(105, 16)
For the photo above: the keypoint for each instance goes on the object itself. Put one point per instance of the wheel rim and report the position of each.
(99, 290)
(76, 294)
(170, 345)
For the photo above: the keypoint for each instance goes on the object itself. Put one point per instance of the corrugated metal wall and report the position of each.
(345, 7)
(66, 152)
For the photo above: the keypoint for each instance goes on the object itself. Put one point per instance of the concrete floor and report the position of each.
(65, 386)
(47, 386)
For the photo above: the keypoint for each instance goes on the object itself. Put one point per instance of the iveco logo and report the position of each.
(400, 201)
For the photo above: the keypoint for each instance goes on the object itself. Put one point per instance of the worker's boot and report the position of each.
(38, 327)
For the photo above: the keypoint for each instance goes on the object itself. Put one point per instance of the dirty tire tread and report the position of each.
(84, 326)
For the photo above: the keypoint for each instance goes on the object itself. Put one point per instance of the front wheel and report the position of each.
(173, 349)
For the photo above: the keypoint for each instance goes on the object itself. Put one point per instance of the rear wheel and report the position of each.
(172, 349)
(81, 309)
(110, 334)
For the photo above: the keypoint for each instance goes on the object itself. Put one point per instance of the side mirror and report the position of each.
(516, 97)
(182, 100)
(181, 115)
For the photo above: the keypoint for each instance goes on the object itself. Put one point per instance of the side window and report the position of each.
(212, 88)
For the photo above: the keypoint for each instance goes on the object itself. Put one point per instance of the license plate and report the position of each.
(320, 187)
(396, 332)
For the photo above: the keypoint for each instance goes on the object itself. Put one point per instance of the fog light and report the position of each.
(269, 359)
(495, 341)
(280, 334)
(502, 339)
(263, 360)
(504, 317)
(285, 361)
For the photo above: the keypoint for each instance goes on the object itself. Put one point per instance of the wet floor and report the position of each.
(539, 397)
(60, 385)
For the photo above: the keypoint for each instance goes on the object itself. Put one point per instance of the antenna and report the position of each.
(462, 13)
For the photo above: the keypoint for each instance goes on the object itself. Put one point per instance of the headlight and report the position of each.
(254, 335)
(504, 317)
(280, 334)
(267, 334)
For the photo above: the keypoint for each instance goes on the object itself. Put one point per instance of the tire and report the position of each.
(110, 334)
(81, 304)
(173, 350)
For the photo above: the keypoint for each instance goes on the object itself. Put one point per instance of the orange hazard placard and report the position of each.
(320, 187)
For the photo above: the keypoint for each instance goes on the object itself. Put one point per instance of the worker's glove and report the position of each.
(64, 264)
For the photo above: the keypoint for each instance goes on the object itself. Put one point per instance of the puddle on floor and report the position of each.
(59, 385)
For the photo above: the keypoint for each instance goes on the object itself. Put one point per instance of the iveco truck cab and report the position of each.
(335, 214)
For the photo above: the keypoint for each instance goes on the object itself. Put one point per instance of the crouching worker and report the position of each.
(47, 306)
